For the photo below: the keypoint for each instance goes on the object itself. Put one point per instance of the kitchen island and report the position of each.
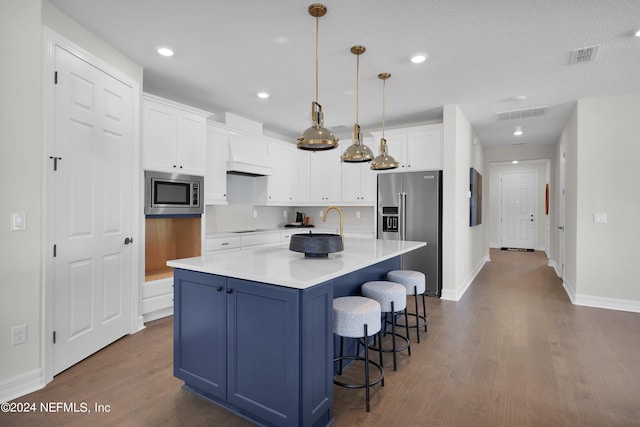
(253, 328)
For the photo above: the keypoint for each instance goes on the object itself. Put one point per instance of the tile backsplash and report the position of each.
(240, 214)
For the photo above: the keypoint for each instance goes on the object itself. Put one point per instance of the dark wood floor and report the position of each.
(513, 352)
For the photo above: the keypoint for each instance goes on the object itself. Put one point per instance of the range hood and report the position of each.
(248, 156)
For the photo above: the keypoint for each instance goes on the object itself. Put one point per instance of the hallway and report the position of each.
(513, 352)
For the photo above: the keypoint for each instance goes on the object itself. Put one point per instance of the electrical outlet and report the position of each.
(357, 214)
(321, 213)
(255, 213)
(284, 214)
(19, 334)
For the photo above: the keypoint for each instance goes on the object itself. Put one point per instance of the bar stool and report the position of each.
(393, 300)
(415, 283)
(357, 317)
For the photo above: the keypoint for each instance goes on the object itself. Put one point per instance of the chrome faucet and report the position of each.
(324, 218)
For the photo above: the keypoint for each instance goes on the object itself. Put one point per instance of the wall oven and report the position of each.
(173, 194)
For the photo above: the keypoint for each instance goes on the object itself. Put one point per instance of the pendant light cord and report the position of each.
(384, 103)
(317, 25)
(357, 84)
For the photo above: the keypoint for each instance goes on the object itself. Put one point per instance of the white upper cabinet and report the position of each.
(358, 180)
(415, 148)
(173, 136)
(325, 183)
(303, 176)
(215, 178)
(280, 188)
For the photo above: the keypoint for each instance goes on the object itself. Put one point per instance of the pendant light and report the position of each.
(317, 138)
(384, 160)
(357, 152)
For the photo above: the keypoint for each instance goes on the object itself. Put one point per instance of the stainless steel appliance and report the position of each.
(173, 194)
(410, 208)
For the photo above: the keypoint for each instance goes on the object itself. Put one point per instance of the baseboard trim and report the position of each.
(21, 385)
(460, 291)
(159, 314)
(607, 303)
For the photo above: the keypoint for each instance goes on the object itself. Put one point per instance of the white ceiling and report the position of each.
(482, 54)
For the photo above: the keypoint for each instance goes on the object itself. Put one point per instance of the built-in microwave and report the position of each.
(173, 194)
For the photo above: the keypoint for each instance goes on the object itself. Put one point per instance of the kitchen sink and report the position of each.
(316, 244)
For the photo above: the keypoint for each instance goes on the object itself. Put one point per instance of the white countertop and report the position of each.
(280, 266)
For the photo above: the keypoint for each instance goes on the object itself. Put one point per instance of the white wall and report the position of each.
(464, 248)
(21, 253)
(607, 154)
(20, 185)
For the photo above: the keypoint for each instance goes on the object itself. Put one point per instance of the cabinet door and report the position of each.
(159, 137)
(200, 326)
(215, 179)
(191, 143)
(282, 183)
(333, 176)
(303, 176)
(424, 149)
(263, 351)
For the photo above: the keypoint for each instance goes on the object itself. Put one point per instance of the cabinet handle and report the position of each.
(229, 291)
(219, 288)
(224, 244)
(174, 166)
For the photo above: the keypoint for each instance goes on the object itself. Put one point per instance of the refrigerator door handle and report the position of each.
(403, 215)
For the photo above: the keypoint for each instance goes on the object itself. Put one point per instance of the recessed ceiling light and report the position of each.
(637, 33)
(518, 131)
(520, 98)
(515, 162)
(165, 51)
(419, 58)
(263, 95)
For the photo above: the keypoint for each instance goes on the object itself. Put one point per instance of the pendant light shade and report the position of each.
(317, 137)
(357, 152)
(383, 160)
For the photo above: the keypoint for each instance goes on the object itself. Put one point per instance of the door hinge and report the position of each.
(55, 77)
(55, 250)
(54, 337)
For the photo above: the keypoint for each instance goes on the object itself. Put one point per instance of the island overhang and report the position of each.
(277, 265)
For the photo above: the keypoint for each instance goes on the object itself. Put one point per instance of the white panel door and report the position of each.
(92, 206)
(517, 209)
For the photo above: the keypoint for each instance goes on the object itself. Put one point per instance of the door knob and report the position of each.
(128, 240)
(561, 228)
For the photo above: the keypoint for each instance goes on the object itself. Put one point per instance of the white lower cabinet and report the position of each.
(222, 244)
(157, 299)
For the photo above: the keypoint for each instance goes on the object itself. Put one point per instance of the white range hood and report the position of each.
(248, 156)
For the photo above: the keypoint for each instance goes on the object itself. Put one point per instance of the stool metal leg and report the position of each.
(366, 368)
(393, 335)
(415, 293)
(341, 354)
(406, 327)
(424, 310)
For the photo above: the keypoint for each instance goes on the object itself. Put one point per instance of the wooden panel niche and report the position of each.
(167, 239)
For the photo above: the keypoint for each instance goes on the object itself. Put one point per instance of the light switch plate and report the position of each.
(599, 218)
(18, 221)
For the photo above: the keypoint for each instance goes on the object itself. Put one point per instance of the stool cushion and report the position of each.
(410, 279)
(350, 314)
(386, 292)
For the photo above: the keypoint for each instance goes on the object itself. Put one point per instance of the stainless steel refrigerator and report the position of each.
(410, 208)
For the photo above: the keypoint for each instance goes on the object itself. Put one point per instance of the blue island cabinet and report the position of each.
(262, 351)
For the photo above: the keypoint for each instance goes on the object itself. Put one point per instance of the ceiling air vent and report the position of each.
(585, 54)
(522, 114)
